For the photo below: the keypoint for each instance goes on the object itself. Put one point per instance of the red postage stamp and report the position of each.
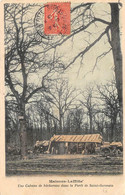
(57, 18)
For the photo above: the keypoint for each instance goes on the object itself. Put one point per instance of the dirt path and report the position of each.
(66, 164)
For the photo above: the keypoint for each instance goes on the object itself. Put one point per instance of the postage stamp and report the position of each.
(57, 18)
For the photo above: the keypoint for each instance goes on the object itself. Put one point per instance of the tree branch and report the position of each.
(81, 54)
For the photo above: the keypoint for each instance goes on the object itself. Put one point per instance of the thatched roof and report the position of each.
(92, 138)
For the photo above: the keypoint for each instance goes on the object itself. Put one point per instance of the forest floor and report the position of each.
(64, 165)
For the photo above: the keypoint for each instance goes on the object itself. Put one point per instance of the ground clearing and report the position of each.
(65, 165)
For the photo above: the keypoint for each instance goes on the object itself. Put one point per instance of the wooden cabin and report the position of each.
(74, 144)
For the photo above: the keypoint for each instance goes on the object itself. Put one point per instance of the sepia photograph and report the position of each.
(63, 88)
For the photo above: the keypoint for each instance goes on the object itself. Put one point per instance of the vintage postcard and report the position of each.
(61, 97)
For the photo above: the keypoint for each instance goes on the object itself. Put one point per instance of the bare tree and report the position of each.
(111, 108)
(45, 111)
(88, 101)
(86, 18)
(100, 120)
(61, 96)
(23, 60)
(75, 120)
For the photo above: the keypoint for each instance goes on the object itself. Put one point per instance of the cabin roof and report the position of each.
(96, 138)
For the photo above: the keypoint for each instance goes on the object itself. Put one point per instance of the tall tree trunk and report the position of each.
(48, 127)
(23, 138)
(23, 132)
(60, 121)
(55, 127)
(41, 127)
(117, 55)
(90, 120)
(114, 128)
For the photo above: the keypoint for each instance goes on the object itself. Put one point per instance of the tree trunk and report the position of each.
(91, 126)
(41, 128)
(48, 127)
(23, 139)
(23, 132)
(116, 49)
(60, 122)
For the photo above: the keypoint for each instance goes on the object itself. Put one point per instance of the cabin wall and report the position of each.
(61, 148)
(72, 148)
